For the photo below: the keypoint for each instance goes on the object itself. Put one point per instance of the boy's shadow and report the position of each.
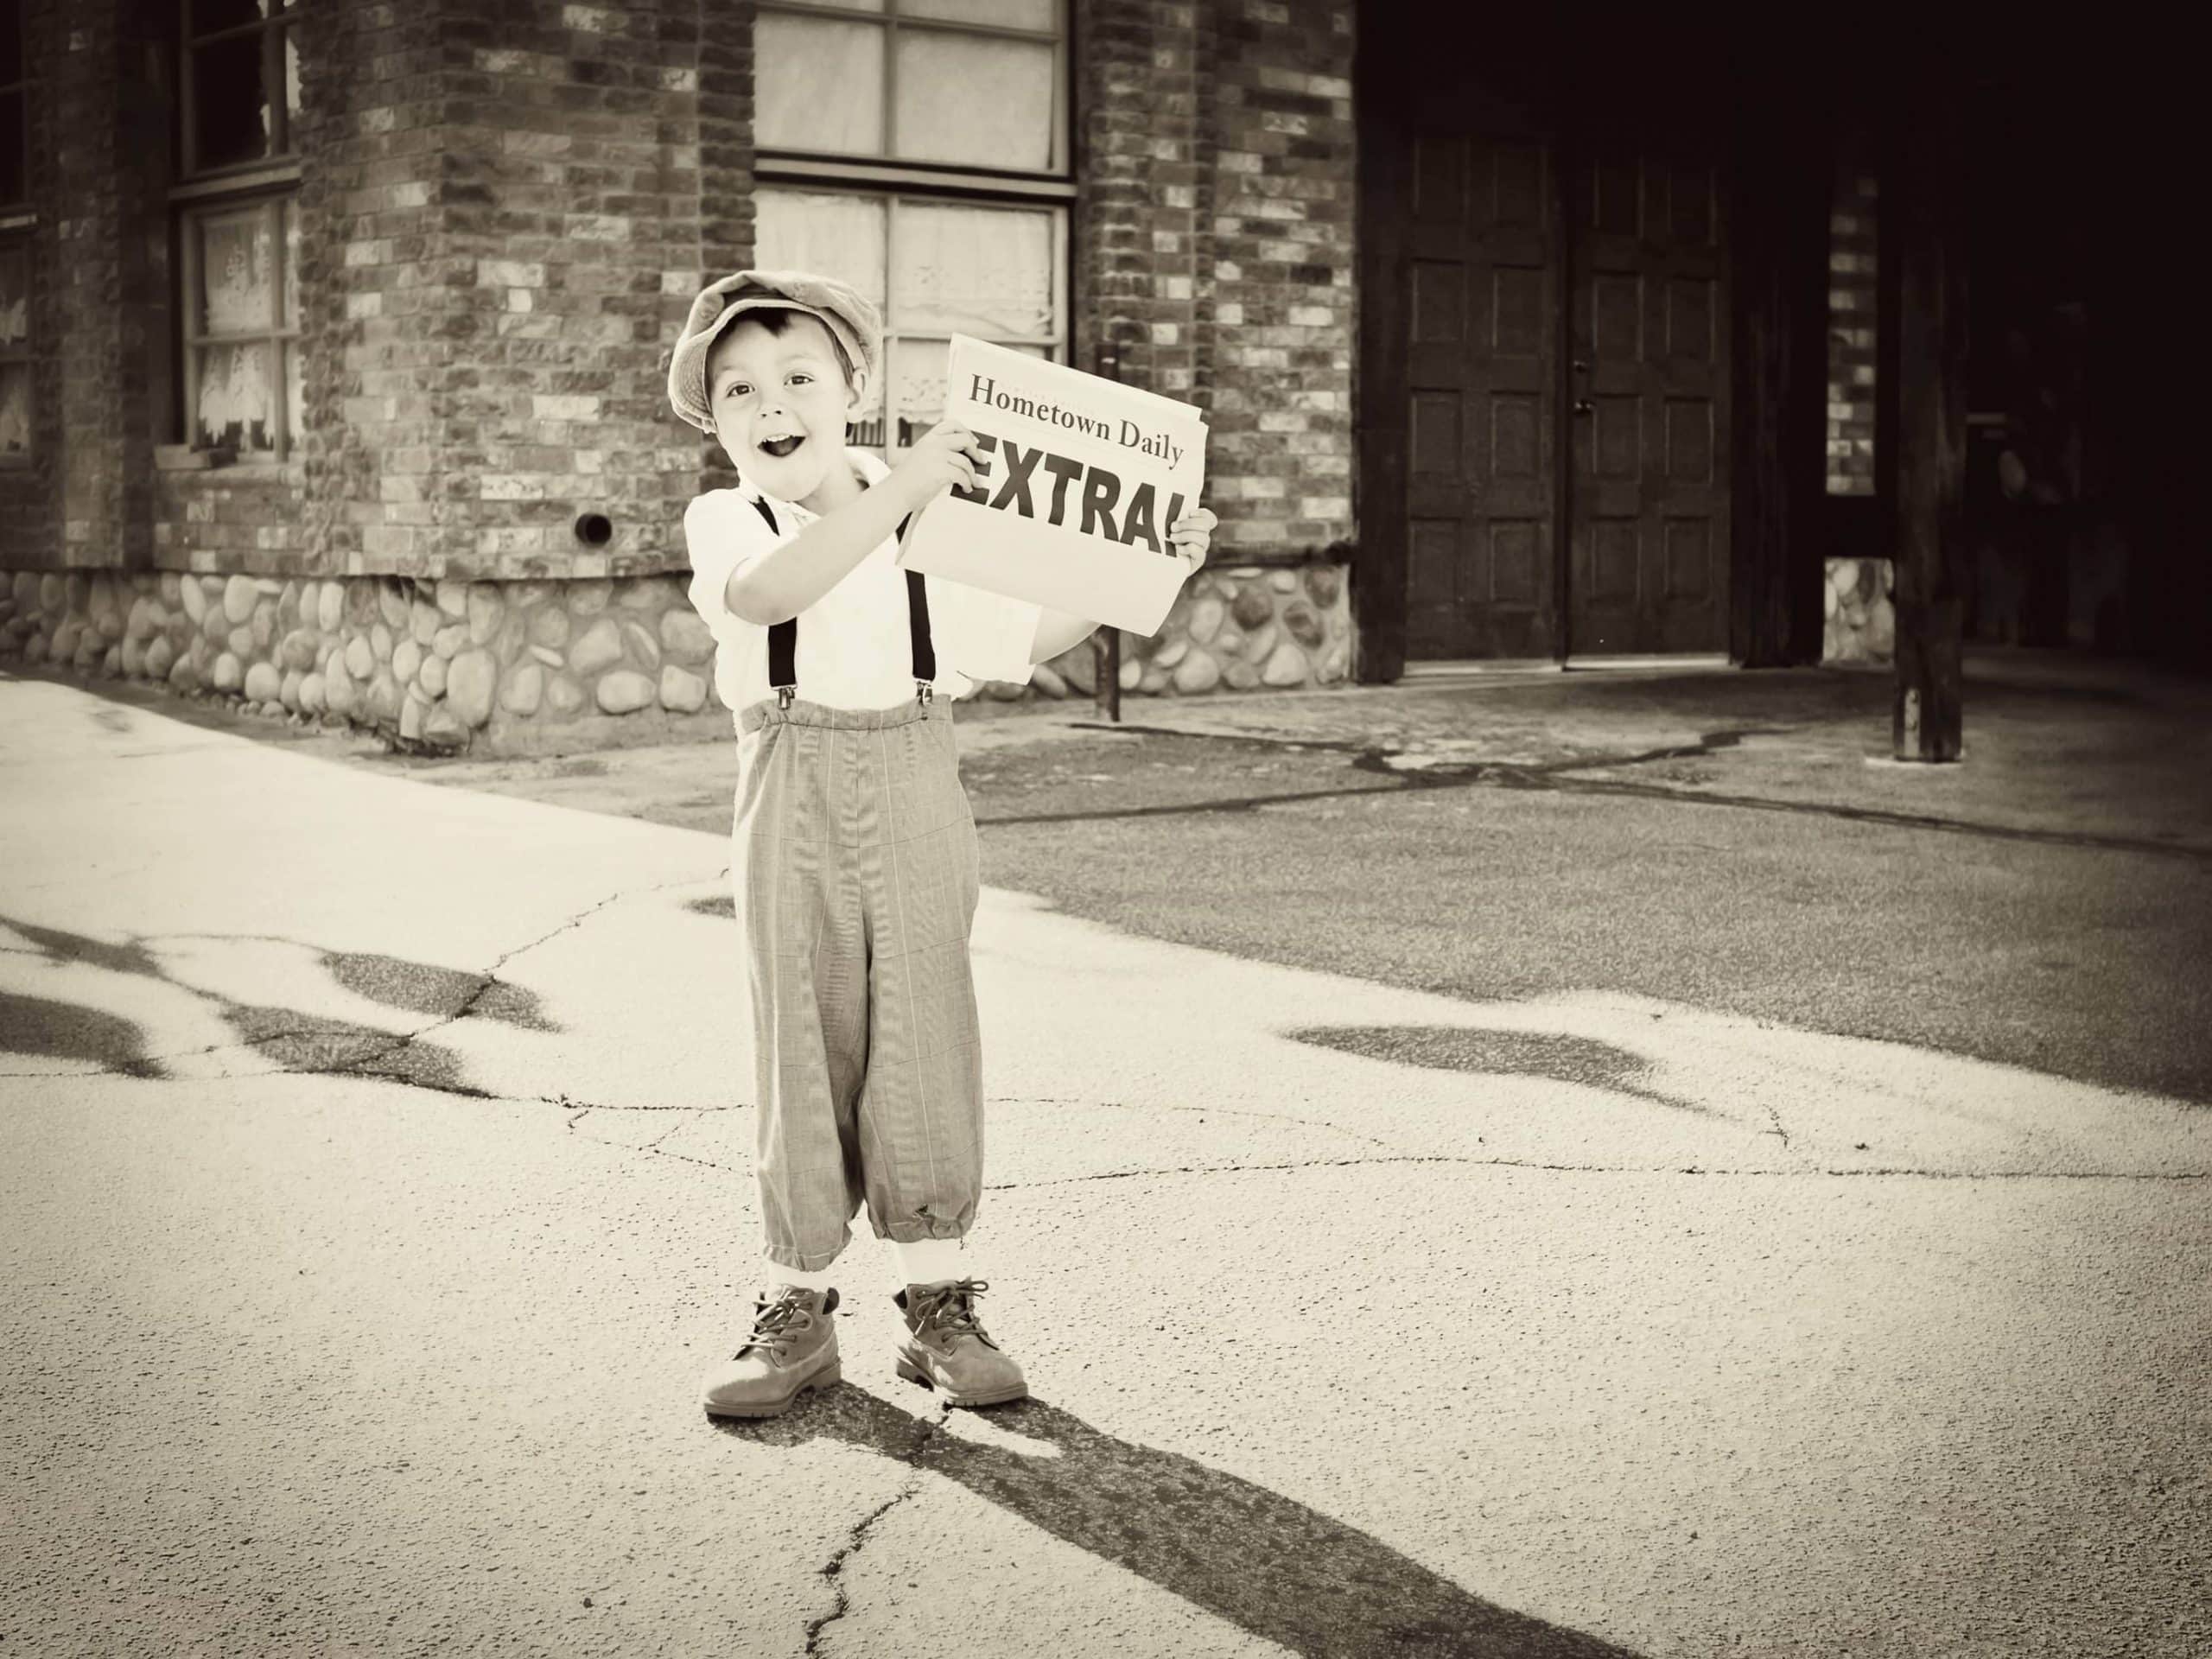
(1254, 1557)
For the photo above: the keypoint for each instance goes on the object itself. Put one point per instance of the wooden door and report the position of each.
(1648, 494)
(1478, 301)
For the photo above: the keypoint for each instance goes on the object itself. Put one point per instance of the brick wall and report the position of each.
(1852, 274)
(726, 225)
(30, 522)
(1215, 230)
(571, 187)
(96, 152)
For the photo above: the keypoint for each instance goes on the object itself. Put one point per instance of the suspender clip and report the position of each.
(925, 691)
(783, 695)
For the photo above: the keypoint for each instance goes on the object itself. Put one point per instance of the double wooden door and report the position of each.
(1564, 373)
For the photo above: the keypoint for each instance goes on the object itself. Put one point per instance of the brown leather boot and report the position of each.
(947, 1347)
(792, 1348)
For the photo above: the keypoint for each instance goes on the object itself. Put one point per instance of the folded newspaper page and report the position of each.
(1081, 480)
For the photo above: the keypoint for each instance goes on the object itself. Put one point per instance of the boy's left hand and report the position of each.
(1190, 535)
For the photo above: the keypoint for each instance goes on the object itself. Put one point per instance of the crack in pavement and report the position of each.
(833, 1569)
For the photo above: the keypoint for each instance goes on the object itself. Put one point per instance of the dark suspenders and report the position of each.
(782, 637)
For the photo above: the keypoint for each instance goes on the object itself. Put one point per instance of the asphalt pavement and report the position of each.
(373, 1191)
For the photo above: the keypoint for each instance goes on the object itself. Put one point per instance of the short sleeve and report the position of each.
(722, 531)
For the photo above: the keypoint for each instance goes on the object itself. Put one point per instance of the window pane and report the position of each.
(291, 85)
(230, 104)
(838, 235)
(208, 15)
(295, 393)
(13, 184)
(971, 99)
(235, 405)
(237, 271)
(12, 41)
(1007, 14)
(15, 296)
(290, 214)
(865, 429)
(917, 369)
(819, 84)
(15, 409)
(986, 271)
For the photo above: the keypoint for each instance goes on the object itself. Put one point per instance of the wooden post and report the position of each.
(1924, 243)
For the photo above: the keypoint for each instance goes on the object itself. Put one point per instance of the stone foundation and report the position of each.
(518, 667)
(1862, 623)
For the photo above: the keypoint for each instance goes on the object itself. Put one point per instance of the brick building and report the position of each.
(336, 332)
(333, 335)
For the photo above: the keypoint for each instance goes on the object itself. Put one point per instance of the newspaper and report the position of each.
(1081, 480)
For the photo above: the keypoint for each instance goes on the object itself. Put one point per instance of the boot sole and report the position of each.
(910, 1372)
(821, 1379)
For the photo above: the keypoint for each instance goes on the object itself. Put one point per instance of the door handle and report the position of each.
(1581, 367)
(1583, 406)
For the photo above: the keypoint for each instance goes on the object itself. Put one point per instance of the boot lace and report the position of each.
(952, 1309)
(777, 1323)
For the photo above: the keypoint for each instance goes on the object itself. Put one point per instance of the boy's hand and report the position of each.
(1190, 535)
(945, 457)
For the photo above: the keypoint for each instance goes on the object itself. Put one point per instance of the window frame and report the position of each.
(281, 337)
(20, 354)
(268, 184)
(901, 184)
(275, 30)
(1059, 173)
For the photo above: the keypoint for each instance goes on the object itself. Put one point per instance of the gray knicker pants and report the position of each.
(855, 864)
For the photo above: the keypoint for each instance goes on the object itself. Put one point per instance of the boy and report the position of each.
(853, 852)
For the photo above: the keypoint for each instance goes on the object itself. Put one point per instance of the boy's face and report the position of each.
(780, 403)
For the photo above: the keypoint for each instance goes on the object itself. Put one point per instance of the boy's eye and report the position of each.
(801, 378)
(736, 389)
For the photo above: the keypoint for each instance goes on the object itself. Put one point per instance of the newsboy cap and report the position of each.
(852, 320)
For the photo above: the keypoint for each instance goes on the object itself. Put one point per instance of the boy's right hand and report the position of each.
(945, 457)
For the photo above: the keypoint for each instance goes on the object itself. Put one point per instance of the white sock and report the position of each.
(933, 1261)
(819, 1279)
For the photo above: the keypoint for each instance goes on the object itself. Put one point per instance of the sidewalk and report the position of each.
(373, 1163)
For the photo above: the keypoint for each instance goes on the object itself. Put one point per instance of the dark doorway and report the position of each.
(1544, 365)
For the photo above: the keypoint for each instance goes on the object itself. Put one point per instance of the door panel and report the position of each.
(1648, 503)
(1482, 289)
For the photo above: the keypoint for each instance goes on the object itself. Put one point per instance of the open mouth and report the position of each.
(781, 446)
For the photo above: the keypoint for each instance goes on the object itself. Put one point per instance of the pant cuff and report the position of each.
(805, 1261)
(911, 1232)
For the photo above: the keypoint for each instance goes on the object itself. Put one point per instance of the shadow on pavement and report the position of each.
(1262, 1562)
(292, 1040)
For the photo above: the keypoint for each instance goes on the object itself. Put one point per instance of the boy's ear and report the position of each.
(856, 390)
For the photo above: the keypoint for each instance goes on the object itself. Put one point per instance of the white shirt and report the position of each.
(854, 650)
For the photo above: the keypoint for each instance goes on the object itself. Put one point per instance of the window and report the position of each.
(15, 350)
(241, 275)
(238, 226)
(14, 108)
(918, 148)
(934, 268)
(237, 54)
(1851, 335)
